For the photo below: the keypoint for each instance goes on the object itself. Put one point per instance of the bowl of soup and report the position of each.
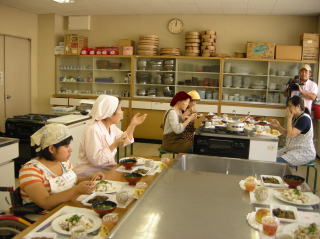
(104, 207)
(132, 178)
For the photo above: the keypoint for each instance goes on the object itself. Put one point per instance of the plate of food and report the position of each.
(272, 181)
(296, 197)
(299, 230)
(95, 197)
(107, 186)
(141, 170)
(66, 222)
(255, 218)
(284, 213)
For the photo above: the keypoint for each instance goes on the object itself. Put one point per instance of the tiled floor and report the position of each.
(146, 149)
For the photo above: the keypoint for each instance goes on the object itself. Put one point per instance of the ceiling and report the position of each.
(135, 7)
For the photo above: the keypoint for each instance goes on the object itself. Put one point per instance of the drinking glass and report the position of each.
(270, 225)
(108, 222)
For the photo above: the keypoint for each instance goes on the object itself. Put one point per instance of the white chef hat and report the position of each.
(48, 135)
(104, 107)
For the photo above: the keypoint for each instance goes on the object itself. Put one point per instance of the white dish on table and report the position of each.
(94, 220)
(251, 218)
(286, 208)
(110, 187)
(287, 231)
(313, 199)
(281, 183)
(93, 195)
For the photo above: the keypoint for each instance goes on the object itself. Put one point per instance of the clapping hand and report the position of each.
(138, 119)
(275, 123)
(120, 141)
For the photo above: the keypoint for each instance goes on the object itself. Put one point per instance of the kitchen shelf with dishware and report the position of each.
(258, 82)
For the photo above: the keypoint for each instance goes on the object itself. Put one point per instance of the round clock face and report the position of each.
(175, 25)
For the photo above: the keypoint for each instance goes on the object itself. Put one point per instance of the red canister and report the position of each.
(114, 50)
(84, 51)
(316, 109)
(92, 51)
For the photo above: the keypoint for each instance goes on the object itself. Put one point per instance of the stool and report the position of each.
(309, 165)
(163, 151)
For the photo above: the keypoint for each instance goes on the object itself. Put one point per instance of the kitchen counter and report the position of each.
(188, 202)
(4, 141)
(251, 136)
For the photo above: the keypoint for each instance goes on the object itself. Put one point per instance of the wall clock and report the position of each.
(175, 26)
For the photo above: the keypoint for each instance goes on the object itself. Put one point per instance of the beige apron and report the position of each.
(176, 143)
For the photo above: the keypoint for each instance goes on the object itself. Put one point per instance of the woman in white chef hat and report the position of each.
(99, 143)
(48, 180)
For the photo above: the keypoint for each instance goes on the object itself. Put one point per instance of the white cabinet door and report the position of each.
(76, 131)
(263, 150)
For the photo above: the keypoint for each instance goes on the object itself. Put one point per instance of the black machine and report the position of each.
(221, 146)
(22, 127)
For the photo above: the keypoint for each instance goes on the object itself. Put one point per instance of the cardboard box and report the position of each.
(310, 53)
(260, 50)
(310, 40)
(73, 44)
(124, 42)
(286, 52)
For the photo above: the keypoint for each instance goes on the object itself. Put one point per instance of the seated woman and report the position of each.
(174, 125)
(299, 148)
(49, 180)
(99, 143)
(190, 129)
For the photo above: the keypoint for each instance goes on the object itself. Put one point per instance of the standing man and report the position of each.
(303, 87)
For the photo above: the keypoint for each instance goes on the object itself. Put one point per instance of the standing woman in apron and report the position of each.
(190, 129)
(174, 126)
(299, 148)
(49, 180)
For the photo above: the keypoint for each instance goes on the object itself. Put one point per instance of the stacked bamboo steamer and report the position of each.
(208, 43)
(170, 52)
(148, 45)
(192, 47)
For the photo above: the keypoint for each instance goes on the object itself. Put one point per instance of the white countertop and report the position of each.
(68, 119)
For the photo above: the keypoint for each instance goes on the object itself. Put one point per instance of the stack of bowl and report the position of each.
(192, 47)
(148, 45)
(208, 43)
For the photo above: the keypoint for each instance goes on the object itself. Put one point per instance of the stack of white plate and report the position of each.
(258, 84)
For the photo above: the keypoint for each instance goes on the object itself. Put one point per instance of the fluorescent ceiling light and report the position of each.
(64, 1)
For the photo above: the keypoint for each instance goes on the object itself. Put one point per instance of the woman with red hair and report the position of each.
(174, 126)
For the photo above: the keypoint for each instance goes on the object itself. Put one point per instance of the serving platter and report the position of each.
(313, 199)
(287, 231)
(95, 220)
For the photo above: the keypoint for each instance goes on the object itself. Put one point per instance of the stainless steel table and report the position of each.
(195, 202)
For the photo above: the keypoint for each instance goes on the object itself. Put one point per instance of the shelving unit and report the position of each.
(139, 76)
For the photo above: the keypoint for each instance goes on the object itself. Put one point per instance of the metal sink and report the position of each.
(192, 162)
(5, 141)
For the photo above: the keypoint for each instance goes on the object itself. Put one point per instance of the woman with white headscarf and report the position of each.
(101, 138)
(48, 180)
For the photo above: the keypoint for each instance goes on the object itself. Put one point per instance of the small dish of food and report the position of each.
(293, 180)
(141, 171)
(272, 181)
(132, 178)
(105, 186)
(128, 163)
(104, 207)
(285, 213)
(95, 197)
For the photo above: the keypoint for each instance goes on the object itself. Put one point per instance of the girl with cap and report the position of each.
(49, 180)
(190, 129)
(299, 148)
(174, 125)
(99, 143)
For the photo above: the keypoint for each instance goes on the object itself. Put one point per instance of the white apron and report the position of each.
(300, 149)
(59, 183)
